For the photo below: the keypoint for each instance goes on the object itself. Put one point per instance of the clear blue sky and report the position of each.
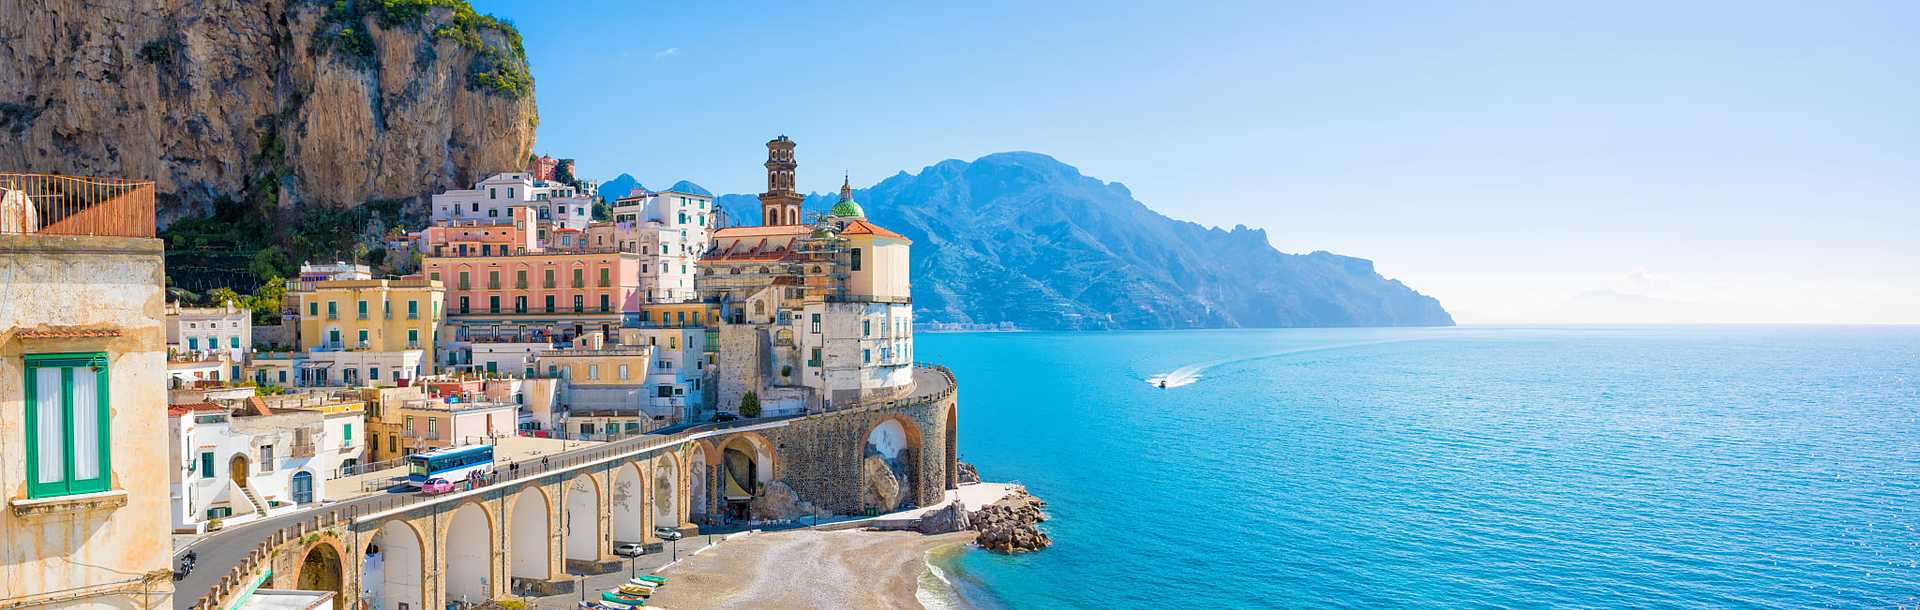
(1730, 161)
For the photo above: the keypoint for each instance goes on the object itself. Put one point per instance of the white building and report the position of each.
(226, 331)
(240, 464)
(679, 376)
(509, 357)
(852, 351)
(352, 367)
(671, 228)
(311, 274)
(556, 205)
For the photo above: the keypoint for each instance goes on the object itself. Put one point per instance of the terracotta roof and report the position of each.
(183, 409)
(761, 231)
(862, 227)
(67, 332)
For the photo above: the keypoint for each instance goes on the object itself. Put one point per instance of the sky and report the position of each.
(1522, 162)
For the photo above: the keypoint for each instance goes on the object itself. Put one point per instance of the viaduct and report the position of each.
(526, 532)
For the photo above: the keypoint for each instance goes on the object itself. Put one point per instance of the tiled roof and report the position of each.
(67, 332)
(762, 231)
(862, 227)
(183, 409)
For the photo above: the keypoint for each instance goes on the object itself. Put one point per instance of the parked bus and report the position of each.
(454, 464)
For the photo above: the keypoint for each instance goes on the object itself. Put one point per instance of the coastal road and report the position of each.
(219, 553)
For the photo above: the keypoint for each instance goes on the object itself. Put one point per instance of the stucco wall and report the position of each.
(65, 549)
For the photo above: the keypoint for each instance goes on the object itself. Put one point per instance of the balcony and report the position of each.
(42, 204)
(302, 450)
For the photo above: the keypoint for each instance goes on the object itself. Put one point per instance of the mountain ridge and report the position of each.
(1021, 238)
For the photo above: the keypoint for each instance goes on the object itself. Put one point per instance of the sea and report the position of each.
(1466, 467)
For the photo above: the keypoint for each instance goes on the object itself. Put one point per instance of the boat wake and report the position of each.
(1191, 373)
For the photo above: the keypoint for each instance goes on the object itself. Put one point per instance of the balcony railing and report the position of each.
(71, 205)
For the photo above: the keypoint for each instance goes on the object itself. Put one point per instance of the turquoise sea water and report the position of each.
(1673, 467)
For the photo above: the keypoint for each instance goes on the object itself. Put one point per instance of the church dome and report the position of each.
(847, 207)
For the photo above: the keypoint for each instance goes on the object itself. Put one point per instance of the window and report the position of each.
(549, 303)
(856, 259)
(623, 371)
(579, 278)
(373, 373)
(464, 284)
(266, 458)
(492, 193)
(866, 328)
(665, 391)
(815, 326)
(606, 277)
(593, 371)
(233, 341)
(433, 427)
(549, 279)
(519, 304)
(579, 303)
(413, 310)
(520, 278)
(463, 305)
(193, 343)
(363, 310)
(493, 304)
(586, 428)
(363, 337)
(206, 464)
(347, 438)
(606, 303)
(413, 338)
(333, 337)
(866, 356)
(332, 310)
(493, 280)
(813, 358)
(313, 309)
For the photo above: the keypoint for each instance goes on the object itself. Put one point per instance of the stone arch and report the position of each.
(321, 568)
(666, 491)
(580, 515)
(889, 464)
(392, 566)
(627, 504)
(530, 529)
(746, 466)
(952, 433)
(468, 540)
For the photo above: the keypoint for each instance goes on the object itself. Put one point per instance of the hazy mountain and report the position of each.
(617, 188)
(1023, 238)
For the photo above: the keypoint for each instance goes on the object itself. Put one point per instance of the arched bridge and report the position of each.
(526, 532)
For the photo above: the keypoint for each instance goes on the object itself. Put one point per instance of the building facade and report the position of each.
(83, 357)
(555, 205)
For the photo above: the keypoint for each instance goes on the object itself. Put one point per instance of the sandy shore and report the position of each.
(804, 569)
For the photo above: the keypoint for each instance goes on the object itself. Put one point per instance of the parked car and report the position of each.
(724, 417)
(666, 533)
(629, 550)
(435, 487)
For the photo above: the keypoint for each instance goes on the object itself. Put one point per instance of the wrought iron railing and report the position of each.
(44, 204)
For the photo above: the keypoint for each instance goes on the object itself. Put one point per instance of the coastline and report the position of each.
(813, 569)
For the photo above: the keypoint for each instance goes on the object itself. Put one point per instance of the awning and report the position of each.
(734, 492)
(310, 364)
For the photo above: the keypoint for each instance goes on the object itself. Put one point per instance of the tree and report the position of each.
(750, 405)
(223, 296)
(267, 300)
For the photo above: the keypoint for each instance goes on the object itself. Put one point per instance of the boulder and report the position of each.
(1011, 525)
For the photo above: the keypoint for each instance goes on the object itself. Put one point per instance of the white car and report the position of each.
(629, 550)
(667, 533)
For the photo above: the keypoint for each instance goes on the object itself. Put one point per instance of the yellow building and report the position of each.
(372, 315)
(680, 314)
(83, 367)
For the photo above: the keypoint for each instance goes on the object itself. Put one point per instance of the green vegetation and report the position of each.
(750, 405)
(158, 51)
(498, 67)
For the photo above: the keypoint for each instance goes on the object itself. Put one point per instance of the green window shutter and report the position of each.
(206, 464)
(68, 448)
(349, 431)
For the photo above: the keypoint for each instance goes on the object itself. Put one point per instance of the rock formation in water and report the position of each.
(1011, 525)
(284, 102)
(966, 473)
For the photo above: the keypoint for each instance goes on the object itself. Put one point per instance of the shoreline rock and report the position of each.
(1011, 525)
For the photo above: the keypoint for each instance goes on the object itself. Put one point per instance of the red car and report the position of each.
(436, 487)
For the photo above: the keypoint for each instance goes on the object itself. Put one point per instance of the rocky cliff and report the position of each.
(1023, 239)
(280, 103)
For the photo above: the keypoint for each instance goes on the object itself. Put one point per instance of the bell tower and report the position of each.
(780, 205)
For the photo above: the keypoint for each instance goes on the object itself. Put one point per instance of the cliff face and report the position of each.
(311, 103)
(1022, 238)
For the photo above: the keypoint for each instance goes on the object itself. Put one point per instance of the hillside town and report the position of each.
(750, 373)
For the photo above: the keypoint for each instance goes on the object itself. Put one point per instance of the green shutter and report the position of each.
(67, 482)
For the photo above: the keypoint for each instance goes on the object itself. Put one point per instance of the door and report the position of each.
(302, 487)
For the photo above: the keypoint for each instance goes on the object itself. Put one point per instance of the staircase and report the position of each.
(259, 508)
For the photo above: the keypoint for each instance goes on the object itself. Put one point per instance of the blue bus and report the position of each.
(454, 464)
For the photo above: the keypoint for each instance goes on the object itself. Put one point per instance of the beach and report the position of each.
(805, 569)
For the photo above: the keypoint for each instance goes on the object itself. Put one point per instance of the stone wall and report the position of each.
(820, 456)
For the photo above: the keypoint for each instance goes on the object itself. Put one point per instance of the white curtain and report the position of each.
(51, 425)
(86, 423)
